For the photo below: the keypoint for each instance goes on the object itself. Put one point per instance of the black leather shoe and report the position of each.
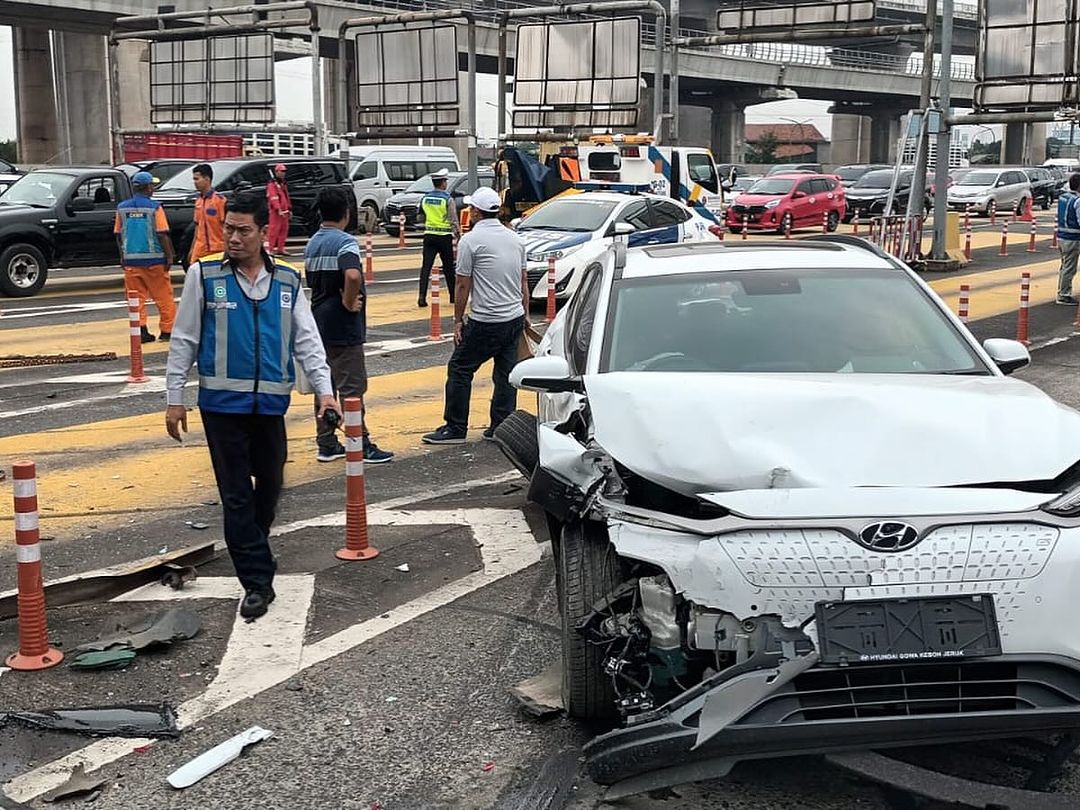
(256, 603)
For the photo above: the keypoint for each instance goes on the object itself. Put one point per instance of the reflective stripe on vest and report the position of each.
(233, 376)
(1068, 217)
(436, 207)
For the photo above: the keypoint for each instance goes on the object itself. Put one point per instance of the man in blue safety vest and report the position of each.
(245, 320)
(440, 228)
(1068, 232)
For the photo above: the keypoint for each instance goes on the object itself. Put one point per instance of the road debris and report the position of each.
(404, 568)
(161, 628)
(177, 576)
(195, 525)
(541, 695)
(133, 720)
(217, 757)
(488, 767)
(78, 784)
(116, 658)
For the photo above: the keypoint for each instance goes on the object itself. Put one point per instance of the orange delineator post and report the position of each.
(1028, 214)
(401, 230)
(746, 226)
(967, 239)
(855, 224)
(34, 650)
(1022, 315)
(135, 331)
(825, 222)
(787, 228)
(356, 528)
(967, 218)
(962, 309)
(369, 259)
(993, 214)
(1031, 241)
(1053, 235)
(1004, 250)
(550, 313)
(436, 318)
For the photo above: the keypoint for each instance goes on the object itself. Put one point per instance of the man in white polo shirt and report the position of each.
(491, 277)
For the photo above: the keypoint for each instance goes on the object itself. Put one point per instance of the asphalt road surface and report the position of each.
(385, 683)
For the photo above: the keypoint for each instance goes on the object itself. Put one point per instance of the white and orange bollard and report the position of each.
(1004, 249)
(356, 528)
(967, 218)
(135, 331)
(746, 226)
(34, 650)
(369, 259)
(967, 239)
(401, 230)
(549, 315)
(787, 228)
(962, 307)
(1031, 239)
(435, 332)
(1053, 236)
(855, 224)
(825, 222)
(1022, 315)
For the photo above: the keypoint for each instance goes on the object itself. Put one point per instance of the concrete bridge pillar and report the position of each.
(884, 134)
(84, 97)
(133, 60)
(1024, 144)
(728, 139)
(35, 101)
(850, 136)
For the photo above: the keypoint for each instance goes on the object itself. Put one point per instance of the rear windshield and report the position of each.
(772, 186)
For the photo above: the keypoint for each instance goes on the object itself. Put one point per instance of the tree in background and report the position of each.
(981, 152)
(764, 149)
(9, 151)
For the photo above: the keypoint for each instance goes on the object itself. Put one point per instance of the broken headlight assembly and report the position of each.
(1067, 505)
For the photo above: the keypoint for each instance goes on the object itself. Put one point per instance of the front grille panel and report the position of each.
(534, 276)
(907, 690)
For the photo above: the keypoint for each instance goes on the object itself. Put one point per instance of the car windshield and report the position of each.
(880, 179)
(421, 186)
(791, 321)
(978, 179)
(774, 185)
(579, 214)
(40, 189)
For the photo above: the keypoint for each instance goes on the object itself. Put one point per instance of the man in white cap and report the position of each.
(491, 281)
(440, 228)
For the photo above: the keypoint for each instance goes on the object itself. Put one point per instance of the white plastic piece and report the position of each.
(404, 568)
(217, 757)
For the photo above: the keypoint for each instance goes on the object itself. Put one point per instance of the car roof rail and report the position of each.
(849, 240)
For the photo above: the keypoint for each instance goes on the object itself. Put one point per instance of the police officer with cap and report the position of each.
(492, 283)
(440, 228)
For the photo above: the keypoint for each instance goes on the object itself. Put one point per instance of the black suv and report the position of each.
(1044, 186)
(305, 176)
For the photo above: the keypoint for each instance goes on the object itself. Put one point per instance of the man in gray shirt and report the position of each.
(490, 273)
(244, 319)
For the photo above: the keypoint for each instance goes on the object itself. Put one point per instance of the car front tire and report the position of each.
(23, 270)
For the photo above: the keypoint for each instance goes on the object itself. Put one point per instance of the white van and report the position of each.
(379, 172)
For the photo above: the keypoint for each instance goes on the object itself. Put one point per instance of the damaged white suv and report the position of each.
(798, 509)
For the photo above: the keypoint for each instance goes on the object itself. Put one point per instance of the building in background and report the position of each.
(786, 143)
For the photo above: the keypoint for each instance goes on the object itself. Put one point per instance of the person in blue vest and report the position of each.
(440, 228)
(1068, 232)
(245, 320)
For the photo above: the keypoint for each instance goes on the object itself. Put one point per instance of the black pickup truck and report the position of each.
(58, 217)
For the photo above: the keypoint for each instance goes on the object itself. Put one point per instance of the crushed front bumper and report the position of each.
(765, 709)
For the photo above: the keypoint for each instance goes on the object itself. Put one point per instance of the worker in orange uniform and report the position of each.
(209, 215)
(277, 198)
(146, 253)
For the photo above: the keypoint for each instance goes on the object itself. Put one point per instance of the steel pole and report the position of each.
(501, 100)
(114, 104)
(918, 182)
(944, 138)
(317, 117)
(471, 112)
(674, 15)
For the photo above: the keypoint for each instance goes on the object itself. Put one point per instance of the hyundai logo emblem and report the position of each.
(889, 535)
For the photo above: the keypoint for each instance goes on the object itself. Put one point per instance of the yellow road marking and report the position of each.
(127, 464)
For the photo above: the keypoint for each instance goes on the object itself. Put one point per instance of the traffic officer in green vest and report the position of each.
(440, 230)
(244, 319)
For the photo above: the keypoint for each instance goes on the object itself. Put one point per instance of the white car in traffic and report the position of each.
(796, 507)
(576, 228)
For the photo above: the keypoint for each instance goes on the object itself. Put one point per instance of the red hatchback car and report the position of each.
(789, 200)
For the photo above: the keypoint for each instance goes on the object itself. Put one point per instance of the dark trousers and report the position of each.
(245, 447)
(481, 342)
(443, 247)
(348, 376)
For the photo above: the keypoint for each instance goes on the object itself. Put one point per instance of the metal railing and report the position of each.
(967, 11)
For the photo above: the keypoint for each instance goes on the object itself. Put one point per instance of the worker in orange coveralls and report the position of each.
(146, 254)
(209, 215)
(277, 198)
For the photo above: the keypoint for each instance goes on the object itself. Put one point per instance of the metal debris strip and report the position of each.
(31, 360)
(129, 720)
(157, 629)
(79, 783)
(217, 757)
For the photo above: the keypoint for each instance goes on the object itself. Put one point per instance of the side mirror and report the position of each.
(798, 195)
(80, 205)
(622, 229)
(1008, 355)
(549, 374)
(515, 222)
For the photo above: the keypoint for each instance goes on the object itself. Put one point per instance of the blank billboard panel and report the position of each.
(1026, 58)
(750, 15)
(407, 79)
(578, 73)
(217, 80)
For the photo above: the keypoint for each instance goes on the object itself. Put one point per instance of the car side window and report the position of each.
(405, 170)
(702, 171)
(300, 174)
(636, 214)
(433, 166)
(256, 175)
(581, 318)
(368, 170)
(667, 213)
(806, 187)
(100, 190)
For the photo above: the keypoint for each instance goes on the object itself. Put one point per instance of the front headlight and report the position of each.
(1067, 505)
(772, 203)
(544, 255)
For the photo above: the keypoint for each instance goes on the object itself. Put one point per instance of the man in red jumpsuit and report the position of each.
(277, 198)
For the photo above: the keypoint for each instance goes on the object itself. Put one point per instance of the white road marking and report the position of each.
(202, 588)
(506, 546)
(156, 385)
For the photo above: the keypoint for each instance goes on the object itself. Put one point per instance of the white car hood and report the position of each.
(698, 433)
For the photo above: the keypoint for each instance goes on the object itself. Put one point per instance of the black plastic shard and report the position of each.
(165, 627)
(135, 720)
